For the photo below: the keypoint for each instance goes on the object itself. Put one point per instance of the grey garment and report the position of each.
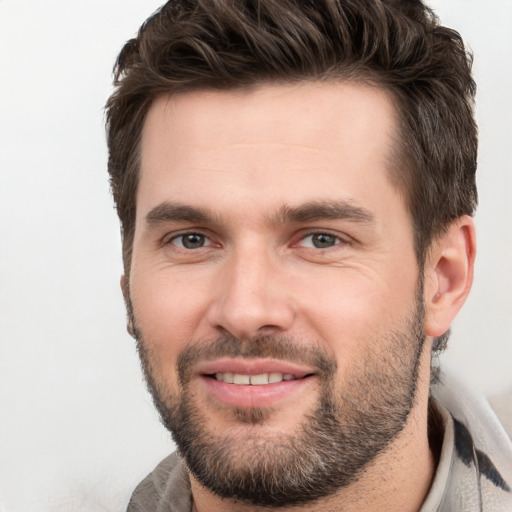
(474, 473)
(165, 489)
(475, 469)
(502, 406)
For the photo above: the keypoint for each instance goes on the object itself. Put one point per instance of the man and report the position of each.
(295, 182)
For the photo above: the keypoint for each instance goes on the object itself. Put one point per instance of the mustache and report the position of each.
(283, 348)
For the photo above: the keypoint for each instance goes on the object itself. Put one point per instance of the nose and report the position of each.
(252, 298)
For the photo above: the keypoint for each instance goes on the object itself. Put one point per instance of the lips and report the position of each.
(254, 383)
(254, 380)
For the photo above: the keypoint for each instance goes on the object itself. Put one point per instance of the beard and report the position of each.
(356, 416)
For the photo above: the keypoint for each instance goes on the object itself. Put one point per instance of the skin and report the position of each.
(244, 157)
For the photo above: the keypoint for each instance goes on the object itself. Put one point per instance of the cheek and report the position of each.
(168, 312)
(352, 308)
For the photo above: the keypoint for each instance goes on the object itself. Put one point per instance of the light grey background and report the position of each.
(78, 430)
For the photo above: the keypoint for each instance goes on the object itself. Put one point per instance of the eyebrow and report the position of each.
(168, 212)
(308, 212)
(324, 210)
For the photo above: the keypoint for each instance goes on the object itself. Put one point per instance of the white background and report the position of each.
(78, 430)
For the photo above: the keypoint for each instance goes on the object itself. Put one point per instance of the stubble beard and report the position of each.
(353, 422)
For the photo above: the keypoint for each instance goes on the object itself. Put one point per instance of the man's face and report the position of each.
(274, 287)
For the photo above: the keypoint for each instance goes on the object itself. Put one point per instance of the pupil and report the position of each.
(323, 240)
(193, 241)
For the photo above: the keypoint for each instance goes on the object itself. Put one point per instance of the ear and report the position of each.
(449, 275)
(125, 288)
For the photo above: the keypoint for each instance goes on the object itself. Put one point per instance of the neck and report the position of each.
(398, 479)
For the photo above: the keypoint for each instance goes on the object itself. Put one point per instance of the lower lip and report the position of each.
(248, 396)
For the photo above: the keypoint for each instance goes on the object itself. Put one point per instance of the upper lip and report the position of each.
(246, 366)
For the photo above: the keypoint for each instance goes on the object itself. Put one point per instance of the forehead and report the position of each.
(287, 143)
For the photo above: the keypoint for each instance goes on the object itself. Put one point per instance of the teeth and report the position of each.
(241, 379)
(258, 380)
(254, 380)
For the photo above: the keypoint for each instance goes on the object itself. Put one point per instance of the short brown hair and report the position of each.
(227, 44)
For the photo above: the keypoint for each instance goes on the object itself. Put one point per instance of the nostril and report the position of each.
(250, 314)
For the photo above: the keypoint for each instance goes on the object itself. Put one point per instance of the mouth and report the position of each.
(255, 383)
(261, 379)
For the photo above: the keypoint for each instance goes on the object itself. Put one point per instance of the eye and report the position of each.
(320, 241)
(191, 241)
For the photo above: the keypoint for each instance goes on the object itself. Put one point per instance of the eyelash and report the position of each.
(188, 234)
(338, 241)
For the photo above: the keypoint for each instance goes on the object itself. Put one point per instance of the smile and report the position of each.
(257, 382)
(254, 380)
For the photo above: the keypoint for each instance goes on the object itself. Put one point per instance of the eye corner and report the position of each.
(320, 240)
(189, 240)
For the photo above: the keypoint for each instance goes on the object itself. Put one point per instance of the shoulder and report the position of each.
(167, 487)
(480, 470)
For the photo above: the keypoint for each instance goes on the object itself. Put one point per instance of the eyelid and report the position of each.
(170, 237)
(341, 239)
(207, 241)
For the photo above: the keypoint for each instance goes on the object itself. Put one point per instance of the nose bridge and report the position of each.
(251, 298)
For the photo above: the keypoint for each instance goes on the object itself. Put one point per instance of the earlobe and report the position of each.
(126, 295)
(449, 275)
